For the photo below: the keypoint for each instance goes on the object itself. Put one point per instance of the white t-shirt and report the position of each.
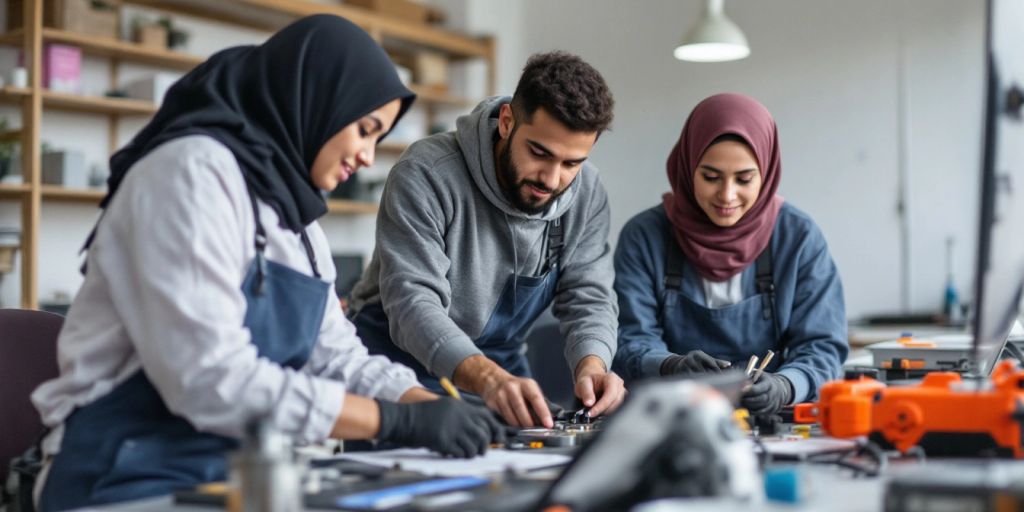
(725, 293)
(163, 292)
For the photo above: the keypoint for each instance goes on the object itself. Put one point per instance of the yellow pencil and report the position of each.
(450, 388)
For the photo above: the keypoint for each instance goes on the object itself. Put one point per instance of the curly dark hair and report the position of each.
(567, 88)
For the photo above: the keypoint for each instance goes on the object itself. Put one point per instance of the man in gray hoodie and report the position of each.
(481, 229)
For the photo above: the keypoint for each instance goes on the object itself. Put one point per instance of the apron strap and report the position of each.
(84, 251)
(310, 253)
(260, 241)
(766, 286)
(556, 241)
(764, 280)
(673, 262)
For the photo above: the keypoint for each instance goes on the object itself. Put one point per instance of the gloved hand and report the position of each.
(694, 361)
(445, 425)
(768, 395)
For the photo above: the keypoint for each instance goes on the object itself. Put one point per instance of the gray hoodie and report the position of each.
(448, 240)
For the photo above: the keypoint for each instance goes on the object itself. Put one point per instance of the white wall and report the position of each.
(829, 70)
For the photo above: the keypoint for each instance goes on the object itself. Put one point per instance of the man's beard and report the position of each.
(508, 172)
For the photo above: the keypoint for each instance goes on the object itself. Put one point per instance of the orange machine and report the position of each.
(945, 414)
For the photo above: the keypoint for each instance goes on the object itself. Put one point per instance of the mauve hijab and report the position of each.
(719, 253)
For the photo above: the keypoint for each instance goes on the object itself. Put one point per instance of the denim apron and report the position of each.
(522, 300)
(734, 332)
(127, 445)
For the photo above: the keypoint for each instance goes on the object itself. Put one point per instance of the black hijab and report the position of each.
(274, 106)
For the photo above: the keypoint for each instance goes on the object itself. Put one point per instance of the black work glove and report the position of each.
(445, 425)
(694, 361)
(768, 395)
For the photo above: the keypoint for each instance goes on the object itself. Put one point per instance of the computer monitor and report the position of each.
(999, 277)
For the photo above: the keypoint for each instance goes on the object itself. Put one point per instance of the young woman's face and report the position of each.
(727, 182)
(353, 147)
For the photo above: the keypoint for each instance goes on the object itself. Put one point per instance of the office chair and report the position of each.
(28, 357)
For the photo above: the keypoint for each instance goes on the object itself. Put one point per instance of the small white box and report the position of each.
(151, 88)
(65, 168)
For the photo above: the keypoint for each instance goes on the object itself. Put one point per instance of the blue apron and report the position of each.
(522, 300)
(127, 445)
(733, 332)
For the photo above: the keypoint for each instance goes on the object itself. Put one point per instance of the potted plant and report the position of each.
(176, 38)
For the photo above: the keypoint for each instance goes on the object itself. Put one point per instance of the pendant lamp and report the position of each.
(715, 38)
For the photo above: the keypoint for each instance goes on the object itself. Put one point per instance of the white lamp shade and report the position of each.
(714, 38)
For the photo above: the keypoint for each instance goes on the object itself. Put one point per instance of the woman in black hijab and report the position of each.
(208, 303)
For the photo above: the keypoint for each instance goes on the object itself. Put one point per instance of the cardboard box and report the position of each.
(80, 16)
(65, 168)
(151, 88)
(62, 68)
(402, 9)
(151, 36)
(430, 69)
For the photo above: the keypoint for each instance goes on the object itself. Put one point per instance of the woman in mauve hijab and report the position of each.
(724, 268)
(208, 302)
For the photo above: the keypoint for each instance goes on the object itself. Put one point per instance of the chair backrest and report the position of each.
(28, 357)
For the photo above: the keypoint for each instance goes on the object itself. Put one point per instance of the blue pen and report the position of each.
(403, 494)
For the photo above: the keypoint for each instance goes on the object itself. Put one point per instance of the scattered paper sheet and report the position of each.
(431, 463)
(812, 446)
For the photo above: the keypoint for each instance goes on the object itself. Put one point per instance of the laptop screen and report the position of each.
(999, 276)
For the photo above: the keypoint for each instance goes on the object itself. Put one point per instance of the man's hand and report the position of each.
(599, 389)
(518, 400)
(514, 397)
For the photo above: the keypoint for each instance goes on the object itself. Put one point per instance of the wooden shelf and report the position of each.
(124, 50)
(10, 135)
(56, 193)
(274, 14)
(97, 104)
(343, 206)
(61, 194)
(13, 190)
(78, 103)
(10, 94)
(395, 148)
(429, 95)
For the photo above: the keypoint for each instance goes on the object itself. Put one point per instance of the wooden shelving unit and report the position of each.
(100, 47)
(393, 148)
(426, 94)
(97, 104)
(77, 103)
(395, 35)
(71, 195)
(10, 135)
(11, 94)
(273, 14)
(344, 206)
(13, 191)
(57, 193)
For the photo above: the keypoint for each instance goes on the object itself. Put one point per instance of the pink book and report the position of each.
(62, 68)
